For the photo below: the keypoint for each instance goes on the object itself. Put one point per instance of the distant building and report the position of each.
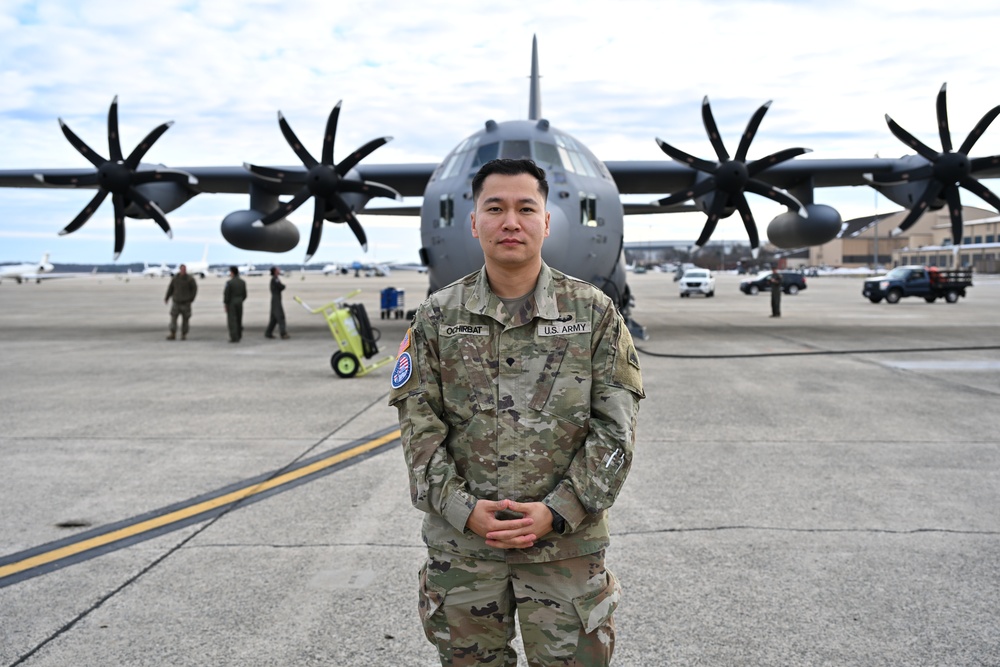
(929, 241)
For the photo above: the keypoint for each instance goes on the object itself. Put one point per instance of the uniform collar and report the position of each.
(483, 301)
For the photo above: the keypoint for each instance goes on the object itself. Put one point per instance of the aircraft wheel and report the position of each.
(345, 364)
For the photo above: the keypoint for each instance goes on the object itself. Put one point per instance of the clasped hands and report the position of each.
(510, 533)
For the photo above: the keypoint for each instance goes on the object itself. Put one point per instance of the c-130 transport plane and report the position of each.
(587, 214)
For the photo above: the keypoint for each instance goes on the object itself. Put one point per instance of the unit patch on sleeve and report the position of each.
(402, 371)
(405, 345)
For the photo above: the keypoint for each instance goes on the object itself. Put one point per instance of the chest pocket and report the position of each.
(466, 383)
(563, 379)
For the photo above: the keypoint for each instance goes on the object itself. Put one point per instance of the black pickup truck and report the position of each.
(928, 282)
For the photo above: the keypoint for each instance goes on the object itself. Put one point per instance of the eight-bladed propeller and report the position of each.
(324, 181)
(118, 177)
(948, 170)
(730, 178)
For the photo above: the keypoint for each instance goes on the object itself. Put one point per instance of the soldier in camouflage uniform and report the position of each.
(517, 389)
(777, 283)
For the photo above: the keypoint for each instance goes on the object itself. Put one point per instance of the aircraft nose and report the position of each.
(556, 248)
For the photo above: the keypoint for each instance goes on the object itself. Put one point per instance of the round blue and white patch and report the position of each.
(402, 371)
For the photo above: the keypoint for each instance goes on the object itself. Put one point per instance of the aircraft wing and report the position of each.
(656, 177)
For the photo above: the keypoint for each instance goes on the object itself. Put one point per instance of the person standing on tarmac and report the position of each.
(183, 288)
(233, 297)
(776, 286)
(277, 311)
(517, 389)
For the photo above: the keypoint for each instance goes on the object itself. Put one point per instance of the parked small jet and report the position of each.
(161, 271)
(22, 272)
(586, 226)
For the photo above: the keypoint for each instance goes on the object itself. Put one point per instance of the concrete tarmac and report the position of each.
(817, 489)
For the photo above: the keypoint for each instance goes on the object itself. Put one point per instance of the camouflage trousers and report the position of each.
(184, 311)
(564, 608)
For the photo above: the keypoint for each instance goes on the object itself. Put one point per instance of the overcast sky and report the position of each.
(614, 74)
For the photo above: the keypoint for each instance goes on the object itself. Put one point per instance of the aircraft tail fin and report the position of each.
(535, 91)
(45, 258)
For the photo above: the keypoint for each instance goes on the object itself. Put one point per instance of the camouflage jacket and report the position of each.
(182, 288)
(538, 405)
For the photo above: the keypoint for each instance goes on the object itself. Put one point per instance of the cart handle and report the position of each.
(332, 304)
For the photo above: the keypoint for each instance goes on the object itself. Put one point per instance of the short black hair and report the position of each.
(510, 167)
(235, 270)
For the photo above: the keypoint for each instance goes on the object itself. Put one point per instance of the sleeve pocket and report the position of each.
(595, 609)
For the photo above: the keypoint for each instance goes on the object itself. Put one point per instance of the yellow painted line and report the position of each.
(193, 510)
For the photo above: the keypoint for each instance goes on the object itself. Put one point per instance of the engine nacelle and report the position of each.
(790, 230)
(238, 228)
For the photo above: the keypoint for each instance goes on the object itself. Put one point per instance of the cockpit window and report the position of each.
(484, 154)
(547, 155)
(516, 149)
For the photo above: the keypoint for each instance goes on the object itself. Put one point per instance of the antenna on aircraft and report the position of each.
(535, 91)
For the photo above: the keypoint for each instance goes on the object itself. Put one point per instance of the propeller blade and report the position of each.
(760, 165)
(981, 191)
(698, 190)
(775, 194)
(331, 134)
(351, 220)
(114, 142)
(84, 215)
(370, 188)
(276, 175)
(910, 140)
(152, 209)
(748, 222)
(72, 181)
(954, 200)
(307, 159)
(714, 213)
(357, 156)
(751, 131)
(930, 194)
(685, 158)
(92, 156)
(319, 211)
(942, 116)
(286, 208)
(978, 130)
(139, 151)
(713, 130)
(119, 203)
(980, 163)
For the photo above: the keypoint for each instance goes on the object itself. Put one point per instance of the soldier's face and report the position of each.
(510, 220)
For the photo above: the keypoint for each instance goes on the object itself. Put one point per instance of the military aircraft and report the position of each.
(587, 213)
(161, 271)
(22, 272)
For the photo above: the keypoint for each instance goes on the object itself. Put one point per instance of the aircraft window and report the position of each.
(588, 210)
(579, 164)
(451, 165)
(516, 149)
(564, 155)
(485, 153)
(547, 154)
(447, 217)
